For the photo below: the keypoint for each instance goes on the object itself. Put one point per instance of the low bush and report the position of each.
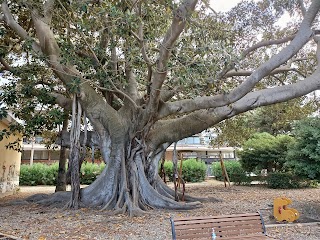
(38, 174)
(43, 174)
(235, 172)
(168, 169)
(192, 170)
(89, 172)
(284, 180)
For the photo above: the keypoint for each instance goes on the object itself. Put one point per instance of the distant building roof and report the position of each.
(8, 119)
(200, 148)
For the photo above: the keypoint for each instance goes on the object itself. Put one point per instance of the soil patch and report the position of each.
(32, 221)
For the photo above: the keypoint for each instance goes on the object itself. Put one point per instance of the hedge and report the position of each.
(192, 170)
(235, 172)
(283, 180)
(43, 174)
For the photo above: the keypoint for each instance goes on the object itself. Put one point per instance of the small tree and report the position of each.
(304, 156)
(264, 151)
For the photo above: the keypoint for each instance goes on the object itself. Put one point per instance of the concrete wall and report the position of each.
(9, 163)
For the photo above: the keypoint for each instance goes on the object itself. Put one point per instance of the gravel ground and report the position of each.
(31, 221)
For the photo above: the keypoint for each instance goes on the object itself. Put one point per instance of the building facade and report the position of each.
(10, 160)
(199, 147)
(39, 151)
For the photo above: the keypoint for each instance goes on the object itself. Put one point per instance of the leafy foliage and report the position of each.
(235, 172)
(274, 119)
(38, 174)
(278, 118)
(283, 180)
(89, 172)
(192, 170)
(43, 174)
(264, 151)
(304, 156)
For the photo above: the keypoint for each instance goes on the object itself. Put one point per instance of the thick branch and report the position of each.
(5, 64)
(302, 37)
(234, 73)
(246, 52)
(303, 8)
(48, 10)
(177, 26)
(317, 40)
(132, 88)
(62, 101)
(9, 20)
(265, 44)
(203, 119)
(262, 71)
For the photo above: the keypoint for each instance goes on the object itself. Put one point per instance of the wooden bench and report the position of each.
(237, 226)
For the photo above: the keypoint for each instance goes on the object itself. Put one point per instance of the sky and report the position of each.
(223, 5)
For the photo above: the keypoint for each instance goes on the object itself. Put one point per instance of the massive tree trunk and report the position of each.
(130, 182)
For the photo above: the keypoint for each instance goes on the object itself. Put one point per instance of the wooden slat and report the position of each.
(206, 235)
(240, 232)
(233, 232)
(251, 237)
(198, 221)
(257, 228)
(214, 222)
(237, 226)
(220, 216)
(235, 223)
(218, 229)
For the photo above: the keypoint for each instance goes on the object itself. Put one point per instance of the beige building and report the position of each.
(9, 161)
(40, 153)
(207, 154)
(198, 147)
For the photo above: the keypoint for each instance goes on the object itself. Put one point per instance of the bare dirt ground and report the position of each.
(31, 221)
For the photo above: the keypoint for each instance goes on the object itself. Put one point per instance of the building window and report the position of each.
(190, 141)
(228, 155)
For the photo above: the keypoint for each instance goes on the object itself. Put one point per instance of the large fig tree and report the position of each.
(148, 73)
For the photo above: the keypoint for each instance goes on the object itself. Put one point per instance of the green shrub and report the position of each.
(192, 170)
(283, 180)
(168, 169)
(90, 171)
(235, 172)
(43, 174)
(38, 174)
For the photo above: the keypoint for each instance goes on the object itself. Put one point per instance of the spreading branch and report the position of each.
(301, 38)
(249, 50)
(203, 119)
(234, 73)
(178, 24)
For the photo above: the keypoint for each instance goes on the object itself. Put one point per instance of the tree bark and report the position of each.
(61, 184)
